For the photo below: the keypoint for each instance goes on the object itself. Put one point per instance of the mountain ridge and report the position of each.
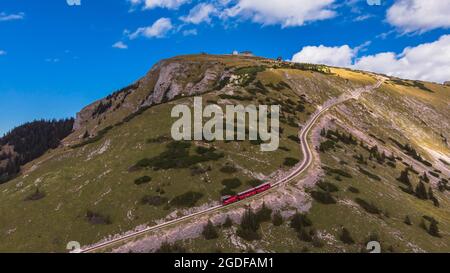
(89, 190)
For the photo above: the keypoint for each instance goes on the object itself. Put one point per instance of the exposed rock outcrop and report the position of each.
(183, 79)
(167, 80)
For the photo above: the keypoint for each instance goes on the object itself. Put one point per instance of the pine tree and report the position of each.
(434, 229)
(382, 158)
(442, 186)
(250, 220)
(299, 221)
(435, 202)
(407, 220)
(249, 226)
(277, 219)
(346, 237)
(361, 159)
(404, 177)
(166, 247)
(210, 231)
(421, 191)
(228, 222)
(432, 197)
(304, 235)
(425, 178)
(430, 193)
(264, 213)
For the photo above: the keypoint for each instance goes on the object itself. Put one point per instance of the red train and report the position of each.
(226, 200)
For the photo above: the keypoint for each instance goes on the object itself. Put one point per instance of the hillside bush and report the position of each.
(327, 186)
(142, 180)
(96, 218)
(346, 237)
(290, 161)
(323, 197)
(36, 195)
(188, 199)
(369, 207)
(154, 200)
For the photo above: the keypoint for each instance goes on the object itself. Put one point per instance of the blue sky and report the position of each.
(56, 58)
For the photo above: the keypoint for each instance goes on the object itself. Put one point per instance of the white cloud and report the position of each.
(427, 62)
(335, 56)
(10, 17)
(120, 45)
(200, 13)
(169, 4)
(2, 52)
(287, 13)
(158, 30)
(134, 4)
(363, 17)
(151, 4)
(52, 60)
(419, 15)
(190, 32)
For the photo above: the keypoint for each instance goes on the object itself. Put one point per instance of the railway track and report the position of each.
(306, 162)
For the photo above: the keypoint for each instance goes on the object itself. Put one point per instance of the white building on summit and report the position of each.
(243, 53)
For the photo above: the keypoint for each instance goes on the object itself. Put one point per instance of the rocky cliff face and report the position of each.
(167, 80)
(183, 79)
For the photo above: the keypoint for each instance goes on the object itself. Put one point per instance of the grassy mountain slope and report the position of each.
(116, 171)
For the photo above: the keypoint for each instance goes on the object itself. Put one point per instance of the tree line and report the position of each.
(29, 141)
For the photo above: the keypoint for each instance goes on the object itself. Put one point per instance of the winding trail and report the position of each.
(298, 170)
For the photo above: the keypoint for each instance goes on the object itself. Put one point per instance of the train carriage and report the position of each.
(226, 200)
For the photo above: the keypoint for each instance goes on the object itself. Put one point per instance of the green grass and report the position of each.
(83, 179)
(369, 209)
(97, 176)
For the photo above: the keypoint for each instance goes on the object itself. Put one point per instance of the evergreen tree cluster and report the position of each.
(414, 154)
(102, 108)
(375, 153)
(251, 221)
(411, 152)
(339, 136)
(333, 137)
(249, 226)
(443, 185)
(210, 231)
(30, 141)
(167, 247)
(305, 230)
(420, 191)
(404, 179)
(432, 228)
